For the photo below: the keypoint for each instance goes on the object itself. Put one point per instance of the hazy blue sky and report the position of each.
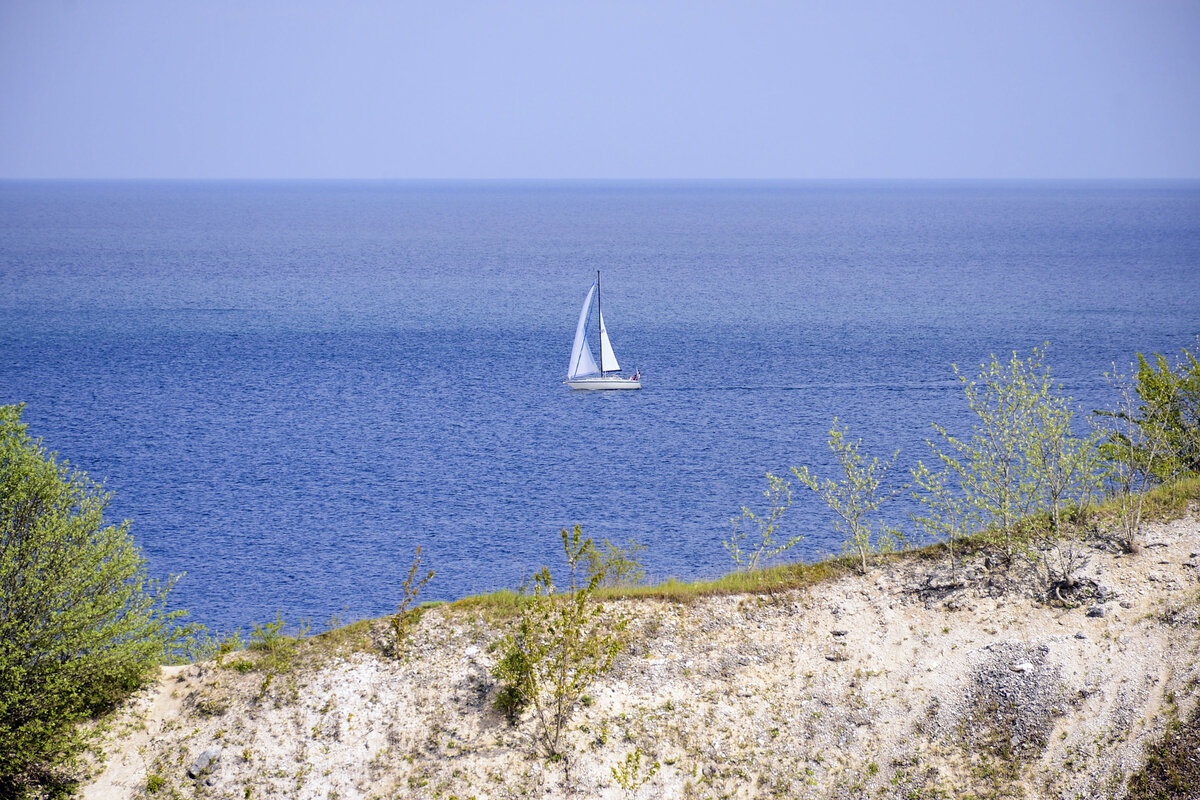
(604, 89)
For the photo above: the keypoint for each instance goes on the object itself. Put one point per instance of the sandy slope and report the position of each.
(896, 684)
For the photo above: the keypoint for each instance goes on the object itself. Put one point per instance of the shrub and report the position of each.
(1021, 458)
(619, 565)
(750, 553)
(562, 643)
(1170, 402)
(409, 613)
(81, 624)
(856, 499)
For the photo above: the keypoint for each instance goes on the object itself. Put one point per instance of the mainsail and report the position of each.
(582, 362)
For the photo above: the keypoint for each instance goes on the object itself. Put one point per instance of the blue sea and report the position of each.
(288, 386)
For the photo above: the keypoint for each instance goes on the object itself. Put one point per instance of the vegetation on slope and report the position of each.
(81, 626)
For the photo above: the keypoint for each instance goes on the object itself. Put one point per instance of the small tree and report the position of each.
(620, 565)
(409, 612)
(1170, 402)
(562, 643)
(1135, 452)
(1022, 458)
(765, 548)
(856, 499)
(947, 516)
(993, 467)
(81, 625)
(1066, 468)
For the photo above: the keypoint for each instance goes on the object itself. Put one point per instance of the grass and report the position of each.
(784, 577)
(1162, 503)
(1172, 770)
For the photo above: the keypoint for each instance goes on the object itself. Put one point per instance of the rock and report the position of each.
(838, 633)
(205, 763)
(1023, 667)
(1096, 611)
(1080, 635)
(1126, 604)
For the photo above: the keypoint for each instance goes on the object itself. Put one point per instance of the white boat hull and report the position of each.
(604, 383)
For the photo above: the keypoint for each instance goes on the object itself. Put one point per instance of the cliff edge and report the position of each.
(912, 681)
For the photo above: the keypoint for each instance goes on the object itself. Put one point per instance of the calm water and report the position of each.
(290, 385)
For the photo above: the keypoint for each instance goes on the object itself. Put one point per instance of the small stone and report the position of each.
(1096, 611)
(1023, 667)
(1080, 635)
(1126, 604)
(471, 651)
(205, 763)
(839, 633)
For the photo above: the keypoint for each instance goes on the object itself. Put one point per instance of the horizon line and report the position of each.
(352, 179)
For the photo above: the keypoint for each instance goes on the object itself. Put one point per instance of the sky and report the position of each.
(599, 89)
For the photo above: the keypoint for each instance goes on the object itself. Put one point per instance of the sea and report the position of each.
(288, 387)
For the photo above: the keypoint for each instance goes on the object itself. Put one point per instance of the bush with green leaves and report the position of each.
(1153, 433)
(1021, 458)
(1022, 480)
(750, 551)
(619, 565)
(81, 624)
(1170, 402)
(857, 497)
(409, 613)
(630, 775)
(563, 641)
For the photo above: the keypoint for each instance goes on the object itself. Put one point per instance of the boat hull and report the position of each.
(604, 383)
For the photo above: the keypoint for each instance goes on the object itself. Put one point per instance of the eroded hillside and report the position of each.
(911, 681)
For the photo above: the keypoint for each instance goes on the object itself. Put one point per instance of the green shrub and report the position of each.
(1170, 402)
(856, 499)
(409, 612)
(563, 642)
(1020, 459)
(750, 553)
(620, 565)
(81, 625)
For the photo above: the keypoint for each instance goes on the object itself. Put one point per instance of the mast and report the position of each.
(601, 323)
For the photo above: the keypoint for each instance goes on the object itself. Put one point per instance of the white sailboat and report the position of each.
(583, 372)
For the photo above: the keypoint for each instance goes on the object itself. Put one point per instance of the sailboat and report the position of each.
(583, 373)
